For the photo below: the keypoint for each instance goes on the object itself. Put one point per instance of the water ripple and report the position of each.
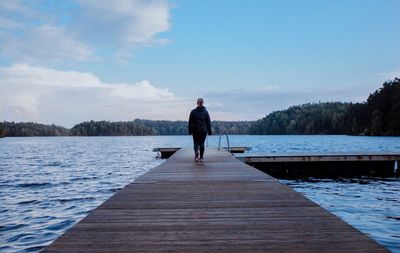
(10, 227)
(62, 225)
(32, 185)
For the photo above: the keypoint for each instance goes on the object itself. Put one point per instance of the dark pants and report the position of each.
(198, 142)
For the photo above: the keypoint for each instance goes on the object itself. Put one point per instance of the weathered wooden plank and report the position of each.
(221, 205)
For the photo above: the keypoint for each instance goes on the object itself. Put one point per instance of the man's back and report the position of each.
(199, 126)
(199, 121)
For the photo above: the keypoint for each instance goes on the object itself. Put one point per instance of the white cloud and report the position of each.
(142, 91)
(45, 45)
(35, 34)
(39, 76)
(68, 97)
(137, 21)
(25, 104)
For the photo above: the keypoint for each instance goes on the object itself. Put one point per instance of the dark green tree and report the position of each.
(380, 115)
(320, 118)
(32, 129)
(1, 130)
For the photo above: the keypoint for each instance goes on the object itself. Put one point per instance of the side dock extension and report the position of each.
(220, 205)
(329, 165)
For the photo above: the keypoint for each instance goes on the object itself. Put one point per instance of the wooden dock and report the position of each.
(330, 165)
(322, 157)
(165, 153)
(220, 205)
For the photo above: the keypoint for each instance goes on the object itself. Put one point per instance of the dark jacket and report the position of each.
(199, 121)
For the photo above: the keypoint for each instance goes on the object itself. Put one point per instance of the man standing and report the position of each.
(199, 126)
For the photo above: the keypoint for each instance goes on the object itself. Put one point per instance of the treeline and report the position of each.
(107, 128)
(321, 118)
(232, 127)
(137, 127)
(31, 129)
(379, 115)
(153, 127)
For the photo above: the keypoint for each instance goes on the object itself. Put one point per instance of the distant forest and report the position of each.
(379, 115)
(321, 118)
(153, 127)
(136, 127)
(31, 129)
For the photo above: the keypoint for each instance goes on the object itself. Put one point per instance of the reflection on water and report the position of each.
(49, 184)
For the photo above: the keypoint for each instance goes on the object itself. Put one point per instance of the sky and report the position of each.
(64, 62)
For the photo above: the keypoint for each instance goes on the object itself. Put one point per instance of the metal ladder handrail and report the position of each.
(227, 140)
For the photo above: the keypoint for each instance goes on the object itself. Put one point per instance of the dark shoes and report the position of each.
(197, 157)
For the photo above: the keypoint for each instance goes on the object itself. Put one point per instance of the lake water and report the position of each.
(48, 184)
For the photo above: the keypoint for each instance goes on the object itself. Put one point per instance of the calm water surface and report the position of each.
(48, 184)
